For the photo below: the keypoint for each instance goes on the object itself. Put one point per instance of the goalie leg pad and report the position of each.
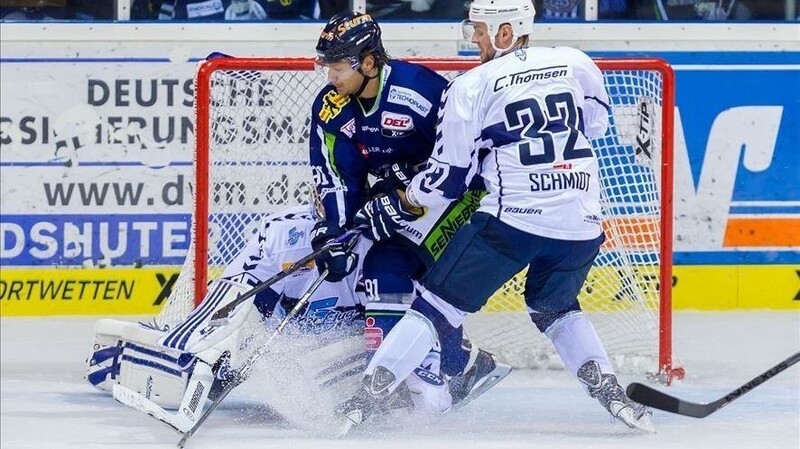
(209, 342)
(102, 365)
(193, 328)
(126, 353)
(154, 374)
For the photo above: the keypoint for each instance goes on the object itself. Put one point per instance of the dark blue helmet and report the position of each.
(350, 36)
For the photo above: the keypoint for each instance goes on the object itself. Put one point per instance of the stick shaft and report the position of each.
(651, 397)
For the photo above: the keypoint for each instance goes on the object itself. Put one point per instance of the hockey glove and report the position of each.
(339, 259)
(383, 216)
(394, 177)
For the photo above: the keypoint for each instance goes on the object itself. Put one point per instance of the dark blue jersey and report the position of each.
(347, 143)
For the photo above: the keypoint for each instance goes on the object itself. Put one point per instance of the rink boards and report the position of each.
(142, 291)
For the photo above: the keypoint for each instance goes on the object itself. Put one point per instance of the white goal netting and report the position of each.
(252, 148)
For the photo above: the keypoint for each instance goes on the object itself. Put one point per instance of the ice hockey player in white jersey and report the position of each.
(163, 368)
(522, 120)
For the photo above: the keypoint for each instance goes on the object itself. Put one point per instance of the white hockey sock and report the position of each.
(405, 347)
(577, 342)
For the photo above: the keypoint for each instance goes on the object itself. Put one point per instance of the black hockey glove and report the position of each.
(394, 177)
(339, 259)
(383, 216)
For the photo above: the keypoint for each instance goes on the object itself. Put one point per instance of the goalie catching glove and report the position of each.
(383, 216)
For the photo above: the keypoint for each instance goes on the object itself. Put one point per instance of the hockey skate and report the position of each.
(607, 391)
(479, 376)
(373, 400)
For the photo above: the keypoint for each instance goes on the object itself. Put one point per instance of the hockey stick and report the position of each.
(244, 373)
(224, 312)
(651, 397)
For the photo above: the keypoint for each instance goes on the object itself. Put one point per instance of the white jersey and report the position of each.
(523, 122)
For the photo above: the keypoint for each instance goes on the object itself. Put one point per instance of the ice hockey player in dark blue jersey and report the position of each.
(377, 116)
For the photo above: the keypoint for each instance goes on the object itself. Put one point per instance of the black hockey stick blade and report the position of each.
(651, 397)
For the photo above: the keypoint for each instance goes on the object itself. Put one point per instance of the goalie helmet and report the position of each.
(350, 36)
(518, 13)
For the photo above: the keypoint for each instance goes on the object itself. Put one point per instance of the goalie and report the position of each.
(184, 367)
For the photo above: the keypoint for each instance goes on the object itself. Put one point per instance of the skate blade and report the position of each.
(493, 378)
(349, 421)
(643, 424)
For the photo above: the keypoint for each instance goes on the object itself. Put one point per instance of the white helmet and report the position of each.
(518, 13)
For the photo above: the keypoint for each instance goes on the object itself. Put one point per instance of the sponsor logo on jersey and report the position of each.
(326, 190)
(410, 98)
(594, 219)
(522, 210)
(391, 133)
(363, 150)
(332, 105)
(396, 125)
(529, 76)
(373, 336)
(371, 129)
(457, 215)
(548, 182)
(399, 122)
(324, 315)
(349, 128)
(294, 236)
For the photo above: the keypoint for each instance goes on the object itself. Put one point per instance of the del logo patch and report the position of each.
(396, 122)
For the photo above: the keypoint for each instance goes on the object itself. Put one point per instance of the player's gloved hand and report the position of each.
(393, 177)
(339, 259)
(383, 216)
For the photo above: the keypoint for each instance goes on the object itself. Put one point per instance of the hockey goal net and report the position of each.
(252, 129)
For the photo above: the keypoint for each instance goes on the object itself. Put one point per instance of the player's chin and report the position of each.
(342, 90)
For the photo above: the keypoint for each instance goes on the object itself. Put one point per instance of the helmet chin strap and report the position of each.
(502, 51)
(365, 79)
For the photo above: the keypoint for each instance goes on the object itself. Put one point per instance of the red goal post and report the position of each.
(642, 97)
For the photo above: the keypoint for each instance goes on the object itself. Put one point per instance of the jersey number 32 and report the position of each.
(546, 123)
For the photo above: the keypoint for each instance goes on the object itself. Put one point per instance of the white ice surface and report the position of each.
(46, 403)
